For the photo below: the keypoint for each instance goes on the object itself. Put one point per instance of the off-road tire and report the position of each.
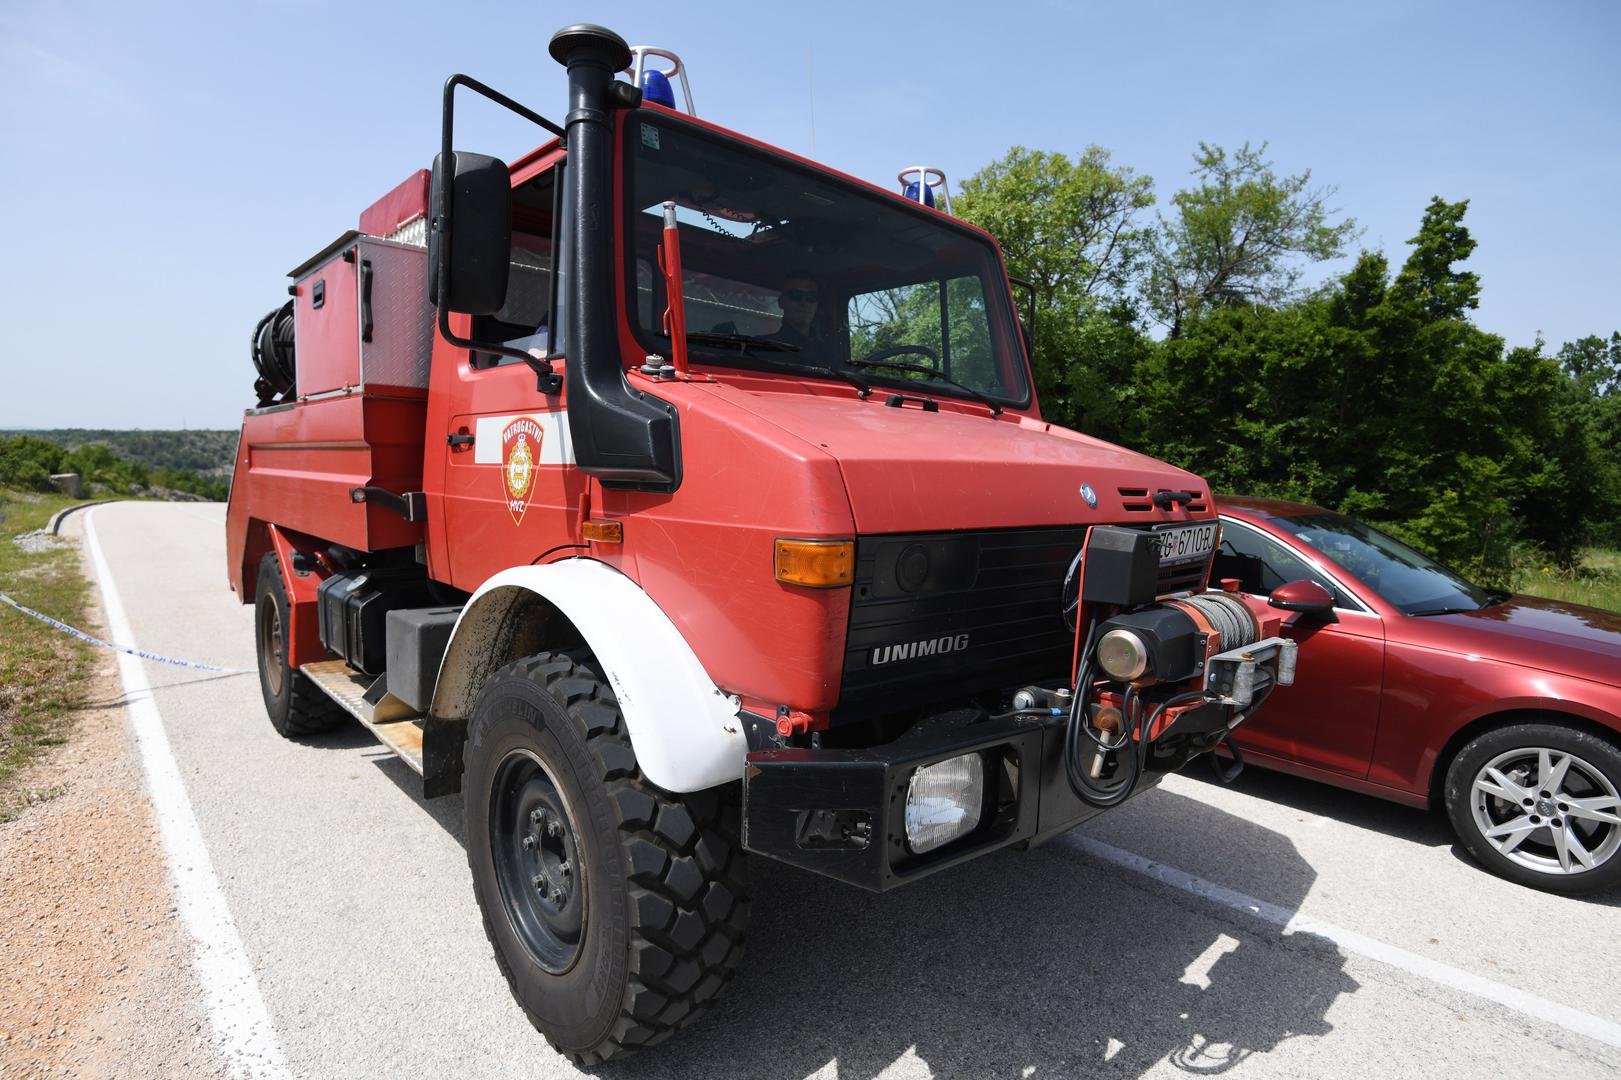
(296, 706)
(1596, 752)
(664, 887)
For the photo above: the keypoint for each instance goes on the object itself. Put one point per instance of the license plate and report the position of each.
(1184, 543)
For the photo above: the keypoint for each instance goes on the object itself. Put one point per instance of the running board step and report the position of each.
(396, 725)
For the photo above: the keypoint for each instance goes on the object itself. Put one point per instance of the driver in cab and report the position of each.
(798, 301)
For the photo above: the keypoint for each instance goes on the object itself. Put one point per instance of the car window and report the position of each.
(1406, 579)
(1262, 564)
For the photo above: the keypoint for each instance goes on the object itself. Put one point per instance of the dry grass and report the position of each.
(41, 669)
(1596, 582)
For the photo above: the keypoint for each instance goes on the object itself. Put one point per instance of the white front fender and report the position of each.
(685, 731)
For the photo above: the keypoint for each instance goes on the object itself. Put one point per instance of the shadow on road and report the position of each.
(1351, 807)
(1019, 965)
(1428, 828)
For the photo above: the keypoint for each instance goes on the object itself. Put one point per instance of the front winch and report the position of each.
(1158, 680)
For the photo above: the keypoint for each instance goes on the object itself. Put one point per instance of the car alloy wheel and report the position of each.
(1547, 810)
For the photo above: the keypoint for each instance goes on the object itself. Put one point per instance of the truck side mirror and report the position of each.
(1306, 597)
(470, 243)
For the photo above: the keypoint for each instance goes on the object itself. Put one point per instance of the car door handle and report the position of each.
(461, 440)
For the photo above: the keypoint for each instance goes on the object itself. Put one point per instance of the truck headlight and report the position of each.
(943, 802)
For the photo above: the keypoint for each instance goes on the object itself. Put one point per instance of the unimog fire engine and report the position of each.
(675, 499)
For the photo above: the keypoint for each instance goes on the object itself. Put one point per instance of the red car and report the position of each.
(1418, 686)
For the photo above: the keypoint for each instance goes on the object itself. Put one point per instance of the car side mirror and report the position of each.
(470, 243)
(1306, 597)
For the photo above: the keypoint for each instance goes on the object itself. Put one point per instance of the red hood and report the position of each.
(1547, 635)
(907, 470)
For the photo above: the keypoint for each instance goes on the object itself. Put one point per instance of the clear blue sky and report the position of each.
(165, 166)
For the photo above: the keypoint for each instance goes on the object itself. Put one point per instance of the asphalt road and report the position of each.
(351, 898)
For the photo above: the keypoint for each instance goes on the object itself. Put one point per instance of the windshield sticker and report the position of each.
(520, 454)
(650, 136)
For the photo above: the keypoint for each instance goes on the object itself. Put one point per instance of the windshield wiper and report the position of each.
(848, 376)
(744, 342)
(899, 365)
(747, 343)
(1493, 598)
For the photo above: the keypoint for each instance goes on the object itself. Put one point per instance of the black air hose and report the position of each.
(1098, 793)
(273, 355)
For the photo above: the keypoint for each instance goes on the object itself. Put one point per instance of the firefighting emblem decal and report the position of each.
(520, 457)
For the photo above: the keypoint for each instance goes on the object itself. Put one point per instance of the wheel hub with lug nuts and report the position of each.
(1547, 810)
(537, 861)
(543, 841)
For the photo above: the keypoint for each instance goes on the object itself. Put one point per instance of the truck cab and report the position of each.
(672, 497)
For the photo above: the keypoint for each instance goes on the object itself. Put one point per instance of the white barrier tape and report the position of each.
(82, 636)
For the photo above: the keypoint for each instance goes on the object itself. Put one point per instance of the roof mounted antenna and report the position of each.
(654, 82)
(923, 188)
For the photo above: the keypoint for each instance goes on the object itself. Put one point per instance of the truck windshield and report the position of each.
(787, 269)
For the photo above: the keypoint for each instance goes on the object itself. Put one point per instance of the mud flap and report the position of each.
(442, 743)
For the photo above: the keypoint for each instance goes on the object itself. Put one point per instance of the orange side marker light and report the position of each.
(820, 564)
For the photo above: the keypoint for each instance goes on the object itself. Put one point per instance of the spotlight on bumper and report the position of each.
(1123, 655)
(943, 802)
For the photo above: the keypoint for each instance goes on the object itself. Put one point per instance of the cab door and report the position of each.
(511, 492)
(1328, 719)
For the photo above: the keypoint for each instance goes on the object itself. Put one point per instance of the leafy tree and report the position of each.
(1378, 397)
(1430, 278)
(1072, 228)
(1237, 237)
(27, 462)
(1069, 226)
(1592, 404)
(1594, 365)
(1374, 394)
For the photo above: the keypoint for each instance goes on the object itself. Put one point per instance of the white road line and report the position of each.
(235, 1009)
(1563, 1016)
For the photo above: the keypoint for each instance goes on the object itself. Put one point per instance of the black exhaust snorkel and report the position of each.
(625, 438)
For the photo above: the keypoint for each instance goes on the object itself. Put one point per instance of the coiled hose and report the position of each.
(273, 354)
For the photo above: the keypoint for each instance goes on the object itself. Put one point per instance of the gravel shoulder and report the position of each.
(95, 968)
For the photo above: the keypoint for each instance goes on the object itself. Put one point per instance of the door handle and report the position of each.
(461, 440)
(365, 300)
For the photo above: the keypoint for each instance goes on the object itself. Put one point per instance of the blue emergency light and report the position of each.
(655, 83)
(919, 193)
(656, 88)
(928, 180)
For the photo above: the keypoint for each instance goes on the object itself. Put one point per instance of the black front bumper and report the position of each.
(842, 813)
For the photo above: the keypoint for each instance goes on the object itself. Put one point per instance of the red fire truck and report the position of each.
(672, 497)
